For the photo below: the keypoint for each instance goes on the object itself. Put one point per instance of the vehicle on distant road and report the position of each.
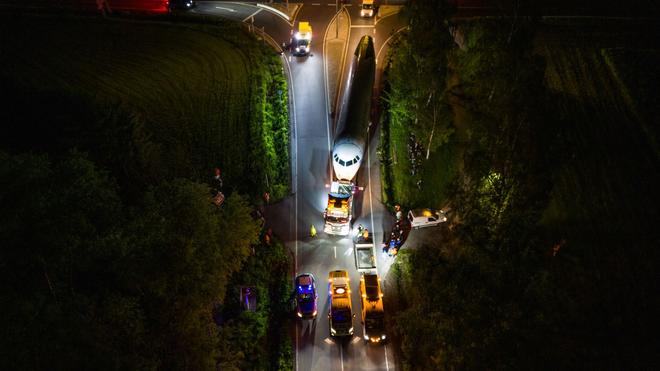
(138, 6)
(302, 40)
(419, 218)
(367, 8)
(340, 316)
(306, 296)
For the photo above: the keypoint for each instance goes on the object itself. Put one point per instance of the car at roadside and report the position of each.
(420, 218)
(306, 296)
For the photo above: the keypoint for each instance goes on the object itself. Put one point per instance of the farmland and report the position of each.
(195, 100)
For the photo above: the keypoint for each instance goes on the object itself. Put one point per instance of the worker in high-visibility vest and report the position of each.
(312, 231)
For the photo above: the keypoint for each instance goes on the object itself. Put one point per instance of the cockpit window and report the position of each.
(349, 163)
(341, 162)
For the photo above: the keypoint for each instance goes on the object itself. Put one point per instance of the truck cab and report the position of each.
(373, 315)
(367, 8)
(302, 40)
(340, 315)
(338, 213)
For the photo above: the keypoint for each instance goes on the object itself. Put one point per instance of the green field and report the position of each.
(203, 95)
(604, 91)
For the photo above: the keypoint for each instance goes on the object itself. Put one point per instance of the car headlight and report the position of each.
(332, 331)
(366, 337)
(350, 330)
(313, 314)
(299, 314)
(298, 49)
(383, 337)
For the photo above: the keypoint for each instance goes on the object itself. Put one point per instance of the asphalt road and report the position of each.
(311, 140)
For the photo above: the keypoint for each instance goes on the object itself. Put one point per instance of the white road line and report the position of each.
(227, 9)
(335, 248)
(275, 11)
(371, 201)
(325, 94)
(378, 19)
(341, 357)
(252, 15)
(387, 365)
(343, 60)
(388, 40)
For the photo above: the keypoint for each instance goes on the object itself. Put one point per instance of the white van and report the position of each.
(419, 218)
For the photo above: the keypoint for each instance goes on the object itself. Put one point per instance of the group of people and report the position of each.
(396, 237)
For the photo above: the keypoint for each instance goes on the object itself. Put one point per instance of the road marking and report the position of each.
(348, 251)
(343, 60)
(335, 248)
(388, 40)
(355, 340)
(328, 341)
(371, 201)
(275, 11)
(341, 356)
(387, 365)
(325, 93)
(252, 15)
(227, 9)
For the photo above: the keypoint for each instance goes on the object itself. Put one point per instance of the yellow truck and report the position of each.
(367, 8)
(373, 315)
(340, 315)
(302, 40)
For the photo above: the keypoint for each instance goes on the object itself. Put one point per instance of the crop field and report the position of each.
(194, 87)
(604, 91)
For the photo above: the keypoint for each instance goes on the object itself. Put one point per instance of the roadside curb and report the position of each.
(335, 45)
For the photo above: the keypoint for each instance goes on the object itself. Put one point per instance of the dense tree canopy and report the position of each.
(538, 270)
(89, 282)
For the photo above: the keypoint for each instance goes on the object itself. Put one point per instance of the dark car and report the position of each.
(306, 296)
(182, 4)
